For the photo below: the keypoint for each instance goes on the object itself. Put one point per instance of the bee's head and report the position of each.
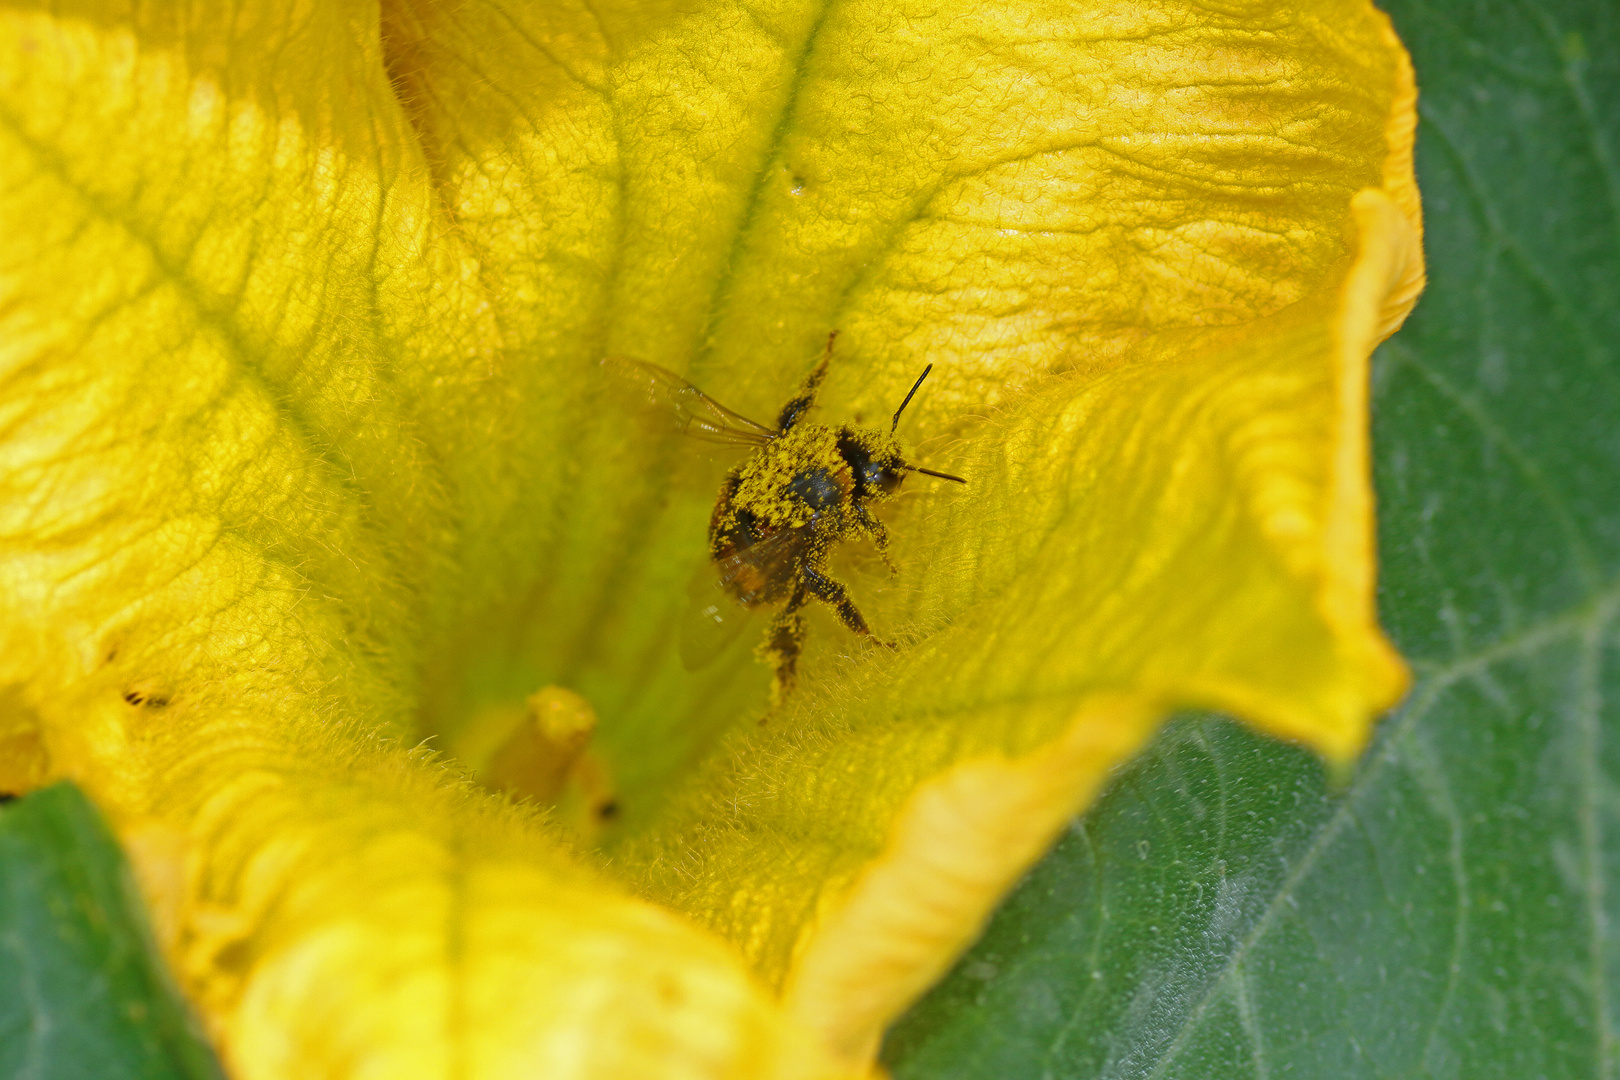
(875, 460)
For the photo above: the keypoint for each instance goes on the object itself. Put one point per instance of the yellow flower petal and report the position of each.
(302, 461)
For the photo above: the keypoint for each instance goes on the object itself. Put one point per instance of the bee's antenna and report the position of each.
(906, 402)
(931, 472)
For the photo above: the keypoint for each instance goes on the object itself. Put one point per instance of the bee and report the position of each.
(805, 488)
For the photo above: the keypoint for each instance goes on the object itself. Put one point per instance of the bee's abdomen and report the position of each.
(730, 525)
(735, 530)
(743, 530)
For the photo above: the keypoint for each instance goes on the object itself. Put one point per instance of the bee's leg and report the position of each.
(833, 593)
(800, 403)
(880, 536)
(782, 643)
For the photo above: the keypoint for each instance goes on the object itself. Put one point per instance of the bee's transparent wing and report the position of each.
(712, 621)
(694, 412)
(714, 615)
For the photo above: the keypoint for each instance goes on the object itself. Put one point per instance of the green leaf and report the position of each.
(1226, 910)
(82, 991)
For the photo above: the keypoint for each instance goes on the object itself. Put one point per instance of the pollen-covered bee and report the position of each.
(805, 488)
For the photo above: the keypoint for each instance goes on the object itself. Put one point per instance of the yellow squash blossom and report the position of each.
(331, 572)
